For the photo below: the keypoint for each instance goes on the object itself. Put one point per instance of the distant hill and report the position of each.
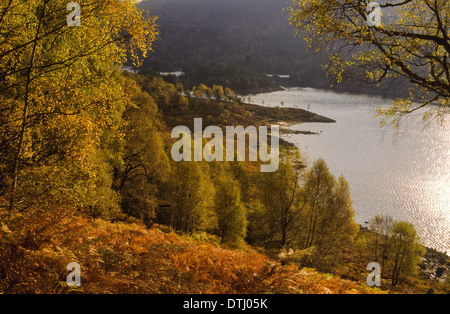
(256, 32)
(252, 33)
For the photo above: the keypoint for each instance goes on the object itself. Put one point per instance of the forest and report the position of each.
(240, 79)
(86, 176)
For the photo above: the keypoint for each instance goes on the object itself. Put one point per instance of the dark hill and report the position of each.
(251, 33)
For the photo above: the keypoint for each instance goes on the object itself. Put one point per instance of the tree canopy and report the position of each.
(61, 96)
(411, 45)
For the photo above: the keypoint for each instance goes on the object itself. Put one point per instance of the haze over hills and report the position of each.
(198, 32)
(254, 33)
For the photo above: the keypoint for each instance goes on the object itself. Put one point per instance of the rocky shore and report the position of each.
(435, 265)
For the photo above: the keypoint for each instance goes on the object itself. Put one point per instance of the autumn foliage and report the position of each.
(86, 174)
(128, 258)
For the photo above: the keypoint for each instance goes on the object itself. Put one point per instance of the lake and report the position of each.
(406, 176)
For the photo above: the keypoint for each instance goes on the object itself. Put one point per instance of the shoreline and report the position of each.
(434, 264)
(211, 110)
(287, 115)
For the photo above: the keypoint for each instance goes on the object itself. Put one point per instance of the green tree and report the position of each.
(317, 194)
(405, 250)
(237, 168)
(281, 201)
(201, 91)
(327, 222)
(229, 94)
(230, 212)
(183, 103)
(218, 92)
(61, 99)
(338, 227)
(381, 226)
(412, 43)
(144, 166)
(189, 193)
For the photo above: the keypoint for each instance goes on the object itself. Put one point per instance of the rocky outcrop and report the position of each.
(435, 265)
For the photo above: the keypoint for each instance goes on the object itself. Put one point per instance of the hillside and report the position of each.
(128, 253)
(90, 174)
(124, 257)
(197, 32)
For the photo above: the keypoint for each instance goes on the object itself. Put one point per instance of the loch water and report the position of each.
(405, 175)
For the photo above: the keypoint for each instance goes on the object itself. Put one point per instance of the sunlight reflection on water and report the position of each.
(406, 177)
